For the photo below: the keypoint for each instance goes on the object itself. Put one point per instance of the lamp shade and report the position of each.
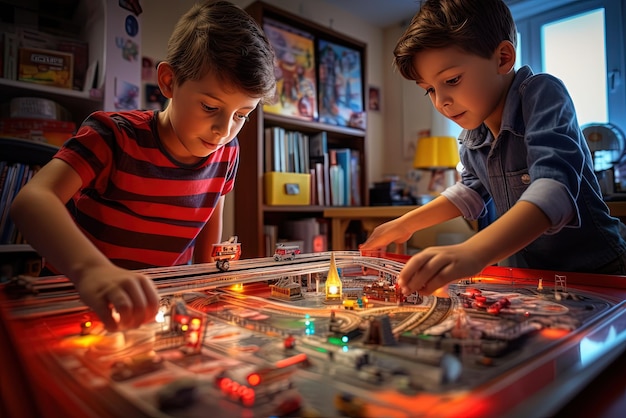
(436, 152)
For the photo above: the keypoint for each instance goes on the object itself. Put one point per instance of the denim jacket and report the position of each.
(540, 156)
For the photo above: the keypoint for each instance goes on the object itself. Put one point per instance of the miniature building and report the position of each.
(380, 332)
(381, 290)
(286, 288)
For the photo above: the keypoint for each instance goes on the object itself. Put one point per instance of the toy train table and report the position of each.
(320, 335)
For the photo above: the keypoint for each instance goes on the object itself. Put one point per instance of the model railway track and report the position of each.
(348, 320)
(37, 296)
(441, 309)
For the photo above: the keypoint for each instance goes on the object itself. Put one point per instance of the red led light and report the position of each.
(254, 379)
(247, 398)
(225, 384)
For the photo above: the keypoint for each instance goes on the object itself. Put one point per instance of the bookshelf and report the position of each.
(50, 24)
(19, 258)
(44, 25)
(251, 211)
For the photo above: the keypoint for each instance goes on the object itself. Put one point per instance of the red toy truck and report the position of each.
(286, 252)
(226, 251)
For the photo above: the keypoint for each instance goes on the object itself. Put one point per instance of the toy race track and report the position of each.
(321, 335)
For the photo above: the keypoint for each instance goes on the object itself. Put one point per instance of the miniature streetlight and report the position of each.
(333, 285)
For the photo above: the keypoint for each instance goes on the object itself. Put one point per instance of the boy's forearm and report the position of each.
(210, 234)
(433, 213)
(513, 231)
(47, 226)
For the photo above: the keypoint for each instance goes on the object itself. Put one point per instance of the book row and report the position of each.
(13, 176)
(335, 178)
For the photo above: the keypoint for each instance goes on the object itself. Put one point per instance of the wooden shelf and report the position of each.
(26, 151)
(311, 126)
(16, 248)
(251, 213)
(370, 217)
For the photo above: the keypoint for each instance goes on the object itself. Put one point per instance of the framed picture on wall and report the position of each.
(295, 71)
(374, 99)
(340, 79)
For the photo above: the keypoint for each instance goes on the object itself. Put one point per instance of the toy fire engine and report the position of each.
(225, 252)
(286, 252)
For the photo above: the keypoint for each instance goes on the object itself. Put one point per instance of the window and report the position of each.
(586, 81)
(582, 43)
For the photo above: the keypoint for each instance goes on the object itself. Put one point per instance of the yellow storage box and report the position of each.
(287, 188)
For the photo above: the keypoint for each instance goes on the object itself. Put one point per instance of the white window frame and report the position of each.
(530, 15)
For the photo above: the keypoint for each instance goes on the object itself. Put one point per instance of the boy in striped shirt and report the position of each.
(146, 188)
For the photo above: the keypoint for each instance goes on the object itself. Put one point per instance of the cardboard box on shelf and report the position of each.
(287, 188)
(43, 66)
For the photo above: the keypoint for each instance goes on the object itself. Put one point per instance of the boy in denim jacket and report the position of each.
(521, 147)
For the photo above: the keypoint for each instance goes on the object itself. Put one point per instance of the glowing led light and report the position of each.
(115, 315)
(160, 317)
(254, 379)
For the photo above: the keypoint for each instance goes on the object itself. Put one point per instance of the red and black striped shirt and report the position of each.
(138, 205)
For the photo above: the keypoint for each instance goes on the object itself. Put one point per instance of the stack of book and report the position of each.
(13, 176)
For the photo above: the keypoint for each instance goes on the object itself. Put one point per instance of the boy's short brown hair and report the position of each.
(222, 38)
(474, 26)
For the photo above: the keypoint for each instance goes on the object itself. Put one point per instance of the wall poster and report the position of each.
(295, 71)
(340, 85)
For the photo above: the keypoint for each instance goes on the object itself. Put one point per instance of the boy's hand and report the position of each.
(384, 234)
(435, 267)
(132, 294)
